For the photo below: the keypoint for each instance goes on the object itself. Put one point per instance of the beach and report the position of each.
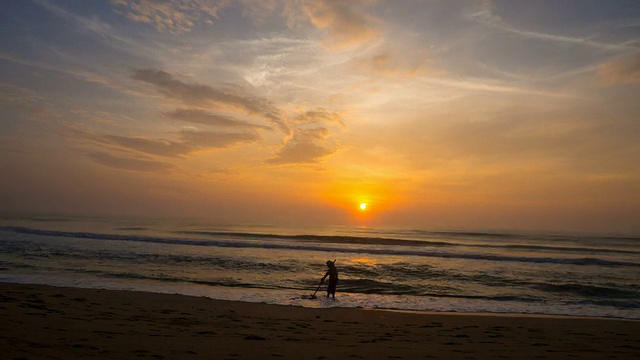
(44, 322)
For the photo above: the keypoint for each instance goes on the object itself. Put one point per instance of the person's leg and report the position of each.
(331, 289)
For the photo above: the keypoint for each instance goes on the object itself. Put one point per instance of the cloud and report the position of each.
(621, 71)
(150, 146)
(12, 93)
(198, 94)
(490, 85)
(304, 147)
(93, 25)
(395, 64)
(346, 22)
(190, 141)
(129, 163)
(487, 17)
(318, 115)
(14, 151)
(202, 140)
(202, 117)
(172, 15)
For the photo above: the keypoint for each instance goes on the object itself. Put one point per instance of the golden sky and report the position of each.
(436, 114)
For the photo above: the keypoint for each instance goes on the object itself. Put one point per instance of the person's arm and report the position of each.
(325, 276)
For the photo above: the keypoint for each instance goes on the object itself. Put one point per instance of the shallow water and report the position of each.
(561, 274)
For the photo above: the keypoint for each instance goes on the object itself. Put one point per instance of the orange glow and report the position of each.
(364, 261)
(363, 202)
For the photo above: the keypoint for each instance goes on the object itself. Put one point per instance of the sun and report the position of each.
(363, 206)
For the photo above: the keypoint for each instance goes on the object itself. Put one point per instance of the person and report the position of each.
(332, 273)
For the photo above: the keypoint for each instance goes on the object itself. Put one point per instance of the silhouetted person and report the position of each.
(332, 273)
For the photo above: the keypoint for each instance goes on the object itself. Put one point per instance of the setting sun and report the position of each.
(363, 206)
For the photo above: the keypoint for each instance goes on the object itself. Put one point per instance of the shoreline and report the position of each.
(195, 292)
(503, 314)
(266, 301)
(47, 322)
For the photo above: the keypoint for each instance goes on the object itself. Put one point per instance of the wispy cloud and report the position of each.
(197, 116)
(489, 85)
(159, 147)
(347, 23)
(190, 141)
(14, 151)
(131, 152)
(198, 94)
(82, 75)
(273, 61)
(487, 17)
(318, 115)
(620, 71)
(395, 64)
(128, 163)
(306, 146)
(172, 15)
(104, 31)
(205, 140)
(12, 93)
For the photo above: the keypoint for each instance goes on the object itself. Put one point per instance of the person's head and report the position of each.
(329, 263)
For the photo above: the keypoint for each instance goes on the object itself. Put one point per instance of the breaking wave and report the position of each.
(323, 244)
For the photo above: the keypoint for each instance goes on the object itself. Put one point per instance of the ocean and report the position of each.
(417, 270)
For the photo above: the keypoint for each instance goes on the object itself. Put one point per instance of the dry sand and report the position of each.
(40, 322)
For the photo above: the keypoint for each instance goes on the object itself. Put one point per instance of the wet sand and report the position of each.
(41, 322)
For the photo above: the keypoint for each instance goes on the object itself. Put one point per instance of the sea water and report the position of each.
(453, 271)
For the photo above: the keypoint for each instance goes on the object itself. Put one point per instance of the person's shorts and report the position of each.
(332, 287)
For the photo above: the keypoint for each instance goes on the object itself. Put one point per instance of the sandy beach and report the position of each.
(41, 322)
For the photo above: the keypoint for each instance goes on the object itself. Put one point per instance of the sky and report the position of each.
(506, 114)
